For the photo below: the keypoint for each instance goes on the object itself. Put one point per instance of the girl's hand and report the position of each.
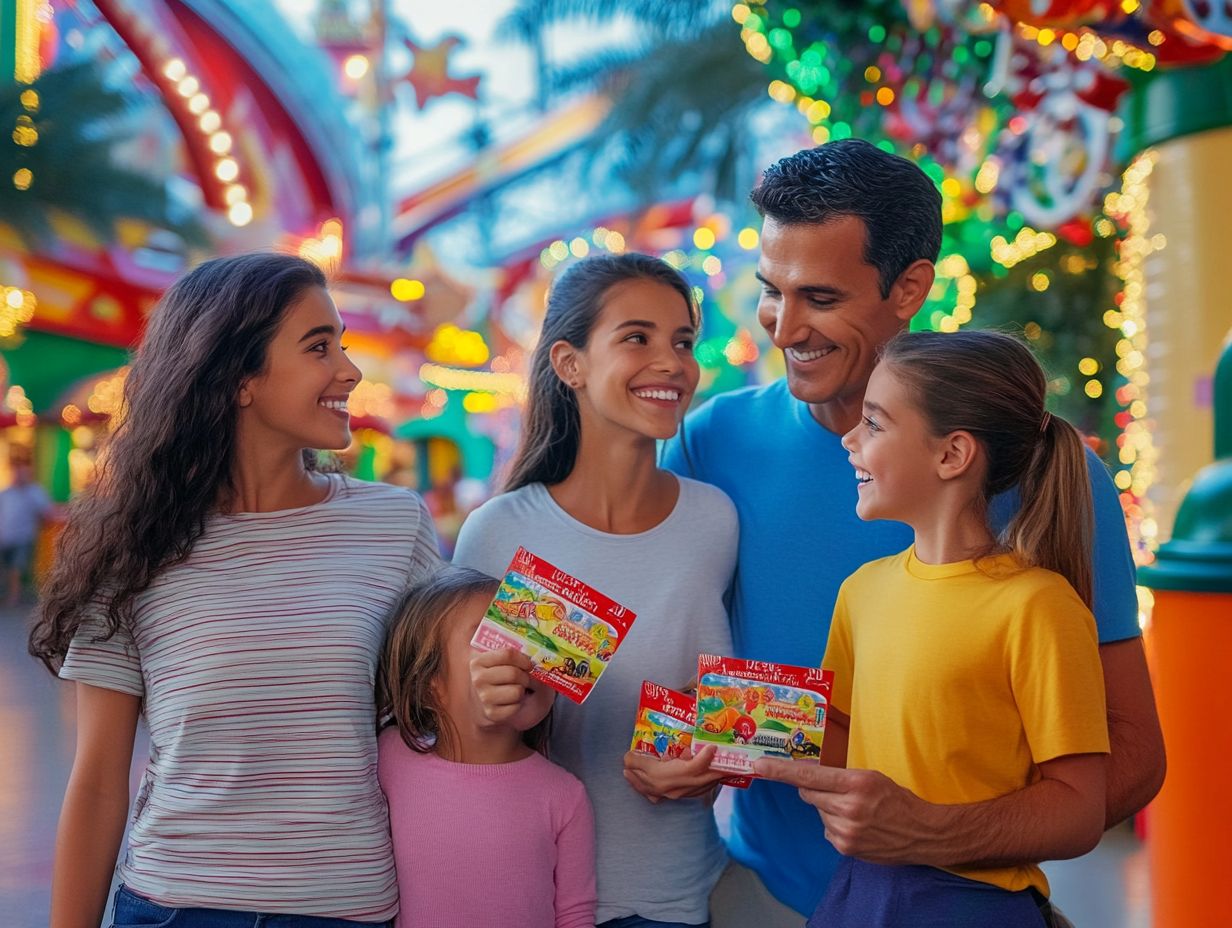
(500, 679)
(673, 779)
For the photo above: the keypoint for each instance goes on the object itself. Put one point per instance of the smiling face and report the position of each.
(300, 399)
(894, 454)
(453, 688)
(637, 372)
(821, 304)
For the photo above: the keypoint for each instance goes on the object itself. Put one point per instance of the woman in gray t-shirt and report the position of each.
(614, 373)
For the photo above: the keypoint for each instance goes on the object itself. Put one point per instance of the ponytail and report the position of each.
(991, 385)
(1054, 526)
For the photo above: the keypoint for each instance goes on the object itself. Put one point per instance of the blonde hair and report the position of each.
(991, 385)
(413, 659)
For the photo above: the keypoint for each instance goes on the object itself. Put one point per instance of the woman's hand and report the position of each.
(673, 779)
(500, 679)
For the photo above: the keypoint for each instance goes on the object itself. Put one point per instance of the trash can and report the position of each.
(1190, 836)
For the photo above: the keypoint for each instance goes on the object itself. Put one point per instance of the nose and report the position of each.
(851, 439)
(783, 320)
(667, 361)
(349, 372)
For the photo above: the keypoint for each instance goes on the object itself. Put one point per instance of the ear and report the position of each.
(911, 289)
(567, 363)
(957, 455)
(245, 395)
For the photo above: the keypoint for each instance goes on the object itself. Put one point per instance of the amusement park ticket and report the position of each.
(664, 726)
(753, 709)
(569, 630)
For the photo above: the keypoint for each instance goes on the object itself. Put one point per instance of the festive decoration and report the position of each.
(429, 75)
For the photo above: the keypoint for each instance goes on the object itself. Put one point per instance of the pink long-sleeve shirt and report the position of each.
(488, 844)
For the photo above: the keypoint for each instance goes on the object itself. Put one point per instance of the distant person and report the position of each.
(24, 507)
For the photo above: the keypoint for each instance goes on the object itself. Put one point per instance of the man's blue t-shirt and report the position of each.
(800, 538)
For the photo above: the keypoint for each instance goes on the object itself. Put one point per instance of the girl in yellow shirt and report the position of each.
(967, 667)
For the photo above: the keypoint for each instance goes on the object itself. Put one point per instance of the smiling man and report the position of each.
(848, 242)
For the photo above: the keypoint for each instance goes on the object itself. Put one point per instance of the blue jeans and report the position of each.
(636, 921)
(133, 911)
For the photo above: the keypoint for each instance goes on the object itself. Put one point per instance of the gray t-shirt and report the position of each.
(659, 861)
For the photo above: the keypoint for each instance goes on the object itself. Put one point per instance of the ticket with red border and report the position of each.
(752, 709)
(664, 726)
(569, 630)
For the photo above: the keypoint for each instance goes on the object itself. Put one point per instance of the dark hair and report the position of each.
(413, 659)
(169, 462)
(991, 385)
(551, 426)
(897, 202)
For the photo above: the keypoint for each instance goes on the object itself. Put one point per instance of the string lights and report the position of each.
(1136, 452)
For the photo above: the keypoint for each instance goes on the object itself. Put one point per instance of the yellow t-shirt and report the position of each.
(960, 678)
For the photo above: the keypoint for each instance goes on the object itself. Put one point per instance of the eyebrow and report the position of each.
(320, 330)
(807, 288)
(872, 407)
(647, 324)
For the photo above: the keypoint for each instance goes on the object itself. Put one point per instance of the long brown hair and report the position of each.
(413, 660)
(551, 424)
(169, 462)
(991, 385)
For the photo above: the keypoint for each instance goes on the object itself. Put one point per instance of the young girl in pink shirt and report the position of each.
(485, 829)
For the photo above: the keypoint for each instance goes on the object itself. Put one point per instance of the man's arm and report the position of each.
(1137, 764)
(869, 816)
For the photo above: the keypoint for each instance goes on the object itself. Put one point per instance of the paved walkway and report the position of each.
(1106, 889)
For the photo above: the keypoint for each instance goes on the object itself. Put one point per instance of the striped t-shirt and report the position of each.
(256, 659)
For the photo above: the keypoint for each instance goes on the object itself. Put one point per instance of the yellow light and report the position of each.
(615, 243)
(452, 378)
(13, 297)
(872, 74)
(407, 291)
(356, 66)
(1094, 389)
(703, 238)
(239, 214)
(1155, 37)
(711, 265)
(175, 70)
(748, 238)
(236, 193)
(817, 111)
(579, 247)
(950, 187)
(1040, 281)
(23, 178)
(210, 121)
(198, 104)
(1130, 6)
(740, 13)
(1069, 41)
(1123, 480)
(188, 86)
(227, 170)
(885, 96)
(25, 135)
(558, 250)
(1088, 367)
(220, 143)
(28, 63)
(30, 99)
(1046, 37)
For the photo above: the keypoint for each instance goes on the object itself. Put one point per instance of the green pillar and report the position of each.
(8, 40)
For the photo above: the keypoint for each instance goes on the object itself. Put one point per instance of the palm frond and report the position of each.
(74, 167)
(670, 19)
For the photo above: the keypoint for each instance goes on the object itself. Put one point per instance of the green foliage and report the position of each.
(79, 123)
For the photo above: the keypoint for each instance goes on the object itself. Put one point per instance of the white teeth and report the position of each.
(799, 355)
(863, 476)
(670, 395)
(336, 405)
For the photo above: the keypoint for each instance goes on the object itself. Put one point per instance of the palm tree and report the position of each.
(682, 91)
(65, 128)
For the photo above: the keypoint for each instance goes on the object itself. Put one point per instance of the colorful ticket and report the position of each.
(569, 630)
(753, 709)
(664, 726)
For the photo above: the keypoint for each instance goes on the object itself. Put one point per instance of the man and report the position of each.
(849, 238)
(23, 507)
